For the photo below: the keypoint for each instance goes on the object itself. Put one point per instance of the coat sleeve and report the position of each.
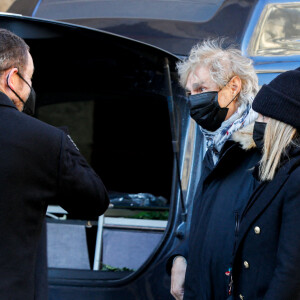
(181, 250)
(285, 284)
(81, 192)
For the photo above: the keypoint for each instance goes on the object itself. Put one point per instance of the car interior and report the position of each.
(112, 100)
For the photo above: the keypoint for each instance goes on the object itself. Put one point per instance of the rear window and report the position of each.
(278, 31)
(183, 10)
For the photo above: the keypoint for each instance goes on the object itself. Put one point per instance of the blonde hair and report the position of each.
(278, 136)
(223, 64)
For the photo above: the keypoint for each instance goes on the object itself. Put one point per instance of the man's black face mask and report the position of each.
(29, 104)
(206, 111)
(258, 134)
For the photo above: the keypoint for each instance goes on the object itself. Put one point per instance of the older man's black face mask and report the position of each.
(206, 111)
(29, 104)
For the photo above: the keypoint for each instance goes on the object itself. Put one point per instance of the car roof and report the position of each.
(35, 28)
(171, 25)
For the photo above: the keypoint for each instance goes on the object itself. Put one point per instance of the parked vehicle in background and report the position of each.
(124, 109)
(171, 25)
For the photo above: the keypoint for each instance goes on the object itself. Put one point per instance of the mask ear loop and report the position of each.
(24, 80)
(7, 78)
(234, 96)
(232, 99)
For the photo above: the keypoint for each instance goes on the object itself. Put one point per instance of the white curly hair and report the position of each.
(223, 64)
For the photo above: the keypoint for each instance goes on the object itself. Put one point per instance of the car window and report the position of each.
(183, 10)
(265, 78)
(132, 153)
(278, 31)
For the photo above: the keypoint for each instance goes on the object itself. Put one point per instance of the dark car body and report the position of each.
(142, 135)
(128, 84)
(171, 25)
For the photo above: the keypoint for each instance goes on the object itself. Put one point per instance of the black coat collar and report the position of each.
(231, 156)
(267, 191)
(5, 101)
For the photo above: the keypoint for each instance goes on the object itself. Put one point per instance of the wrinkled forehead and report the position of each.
(198, 76)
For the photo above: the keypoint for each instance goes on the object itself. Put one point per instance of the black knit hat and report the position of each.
(280, 99)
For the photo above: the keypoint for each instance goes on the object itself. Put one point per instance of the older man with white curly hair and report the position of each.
(221, 84)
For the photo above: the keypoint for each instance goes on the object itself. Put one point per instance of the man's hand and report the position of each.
(178, 277)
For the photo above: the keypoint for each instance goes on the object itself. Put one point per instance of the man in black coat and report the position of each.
(221, 84)
(39, 164)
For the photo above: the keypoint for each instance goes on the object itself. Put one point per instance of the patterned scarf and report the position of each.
(215, 140)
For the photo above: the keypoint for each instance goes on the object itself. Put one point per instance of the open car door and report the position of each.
(122, 105)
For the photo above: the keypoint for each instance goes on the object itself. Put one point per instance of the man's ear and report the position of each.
(11, 77)
(236, 85)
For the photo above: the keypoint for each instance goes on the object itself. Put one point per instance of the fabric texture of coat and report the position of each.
(267, 257)
(39, 165)
(221, 197)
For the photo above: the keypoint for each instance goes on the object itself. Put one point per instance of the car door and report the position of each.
(120, 101)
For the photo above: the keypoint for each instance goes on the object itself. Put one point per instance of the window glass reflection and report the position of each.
(277, 32)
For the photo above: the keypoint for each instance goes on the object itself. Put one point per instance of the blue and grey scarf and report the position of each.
(216, 140)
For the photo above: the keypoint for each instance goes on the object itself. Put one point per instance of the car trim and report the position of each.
(269, 71)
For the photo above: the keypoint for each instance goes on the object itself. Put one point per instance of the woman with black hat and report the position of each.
(266, 262)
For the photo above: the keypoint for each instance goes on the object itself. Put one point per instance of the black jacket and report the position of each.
(39, 164)
(267, 257)
(220, 199)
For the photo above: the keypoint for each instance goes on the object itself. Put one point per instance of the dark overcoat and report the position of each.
(267, 257)
(39, 164)
(221, 197)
